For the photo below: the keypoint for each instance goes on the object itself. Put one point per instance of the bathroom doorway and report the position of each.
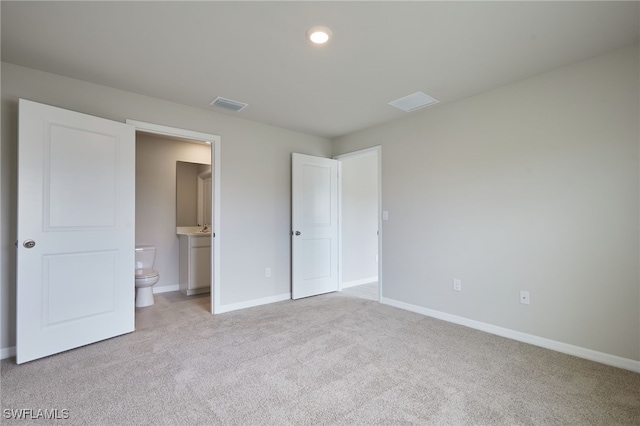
(158, 151)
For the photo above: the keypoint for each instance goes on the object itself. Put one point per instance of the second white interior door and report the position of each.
(314, 225)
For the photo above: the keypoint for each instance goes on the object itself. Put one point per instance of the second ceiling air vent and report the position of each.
(228, 104)
(413, 102)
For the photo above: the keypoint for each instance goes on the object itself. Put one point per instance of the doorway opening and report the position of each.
(181, 146)
(360, 205)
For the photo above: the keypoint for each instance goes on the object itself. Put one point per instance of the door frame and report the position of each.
(376, 150)
(215, 142)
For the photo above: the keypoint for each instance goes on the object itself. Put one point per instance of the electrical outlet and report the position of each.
(267, 272)
(524, 297)
(457, 285)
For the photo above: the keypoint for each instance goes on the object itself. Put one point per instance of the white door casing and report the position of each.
(76, 184)
(314, 225)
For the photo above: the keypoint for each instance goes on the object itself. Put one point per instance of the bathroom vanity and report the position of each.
(195, 260)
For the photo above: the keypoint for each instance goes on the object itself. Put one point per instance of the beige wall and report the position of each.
(256, 180)
(533, 186)
(156, 198)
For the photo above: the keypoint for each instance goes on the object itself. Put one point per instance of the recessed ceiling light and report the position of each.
(319, 35)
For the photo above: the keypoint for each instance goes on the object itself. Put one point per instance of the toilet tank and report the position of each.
(145, 256)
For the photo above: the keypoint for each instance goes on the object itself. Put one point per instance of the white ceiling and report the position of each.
(256, 52)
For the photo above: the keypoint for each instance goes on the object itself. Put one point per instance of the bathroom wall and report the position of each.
(256, 181)
(156, 198)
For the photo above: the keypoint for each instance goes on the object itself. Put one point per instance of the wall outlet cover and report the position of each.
(457, 284)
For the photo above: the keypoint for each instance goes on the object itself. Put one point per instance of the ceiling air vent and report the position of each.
(228, 104)
(413, 102)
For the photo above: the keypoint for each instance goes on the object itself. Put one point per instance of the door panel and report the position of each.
(89, 174)
(76, 180)
(64, 278)
(315, 225)
(317, 258)
(316, 194)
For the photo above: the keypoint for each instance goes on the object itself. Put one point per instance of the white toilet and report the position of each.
(146, 277)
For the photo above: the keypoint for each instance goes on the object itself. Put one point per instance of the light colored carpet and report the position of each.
(363, 291)
(331, 359)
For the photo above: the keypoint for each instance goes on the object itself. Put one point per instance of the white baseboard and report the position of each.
(7, 352)
(601, 357)
(166, 289)
(353, 283)
(251, 303)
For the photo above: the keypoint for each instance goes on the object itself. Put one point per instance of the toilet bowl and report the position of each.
(145, 275)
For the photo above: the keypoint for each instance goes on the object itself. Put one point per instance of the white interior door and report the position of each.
(315, 225)
(76, 183)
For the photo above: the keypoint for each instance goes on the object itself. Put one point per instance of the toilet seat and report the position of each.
(145, 273)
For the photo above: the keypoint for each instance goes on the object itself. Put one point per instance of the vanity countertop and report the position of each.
(192, 231)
